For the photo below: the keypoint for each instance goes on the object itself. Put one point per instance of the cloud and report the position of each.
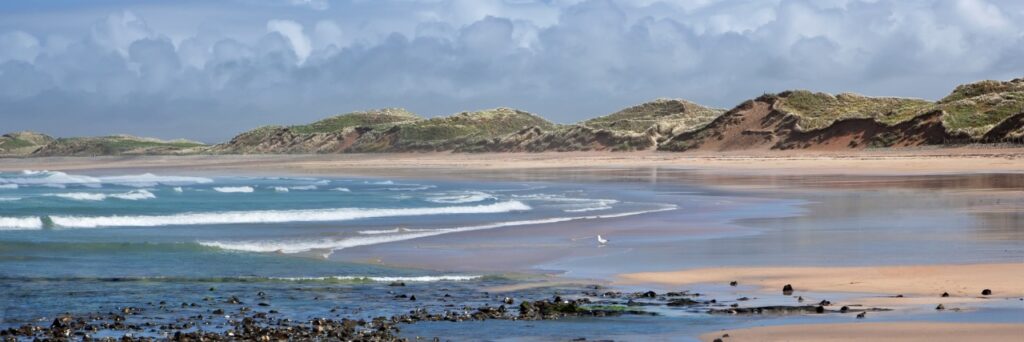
(564, 59)
(296, 38)
(319, 5)
(18, 45)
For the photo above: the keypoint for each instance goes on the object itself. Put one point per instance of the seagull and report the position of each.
(601, 240)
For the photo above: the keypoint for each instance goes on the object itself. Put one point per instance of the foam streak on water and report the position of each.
(385, 236)
(275, 216)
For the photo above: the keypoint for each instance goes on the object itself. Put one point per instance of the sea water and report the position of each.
(95, 243)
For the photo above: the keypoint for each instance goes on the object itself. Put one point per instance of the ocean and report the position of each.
(81, 244)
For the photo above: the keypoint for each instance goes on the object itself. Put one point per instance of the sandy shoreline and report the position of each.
(897, 331)
(869, 162)
(1004, 280)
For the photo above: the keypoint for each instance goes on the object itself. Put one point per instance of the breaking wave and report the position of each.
(20, 223)
(234, 189)
(386, 236)
(275, 216)
(61, 179)
(133, 195)
(468, 197)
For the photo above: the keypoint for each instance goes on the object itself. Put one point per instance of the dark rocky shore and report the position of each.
(232, 319)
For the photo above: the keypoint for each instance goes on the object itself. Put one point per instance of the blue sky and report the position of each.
(206, 70)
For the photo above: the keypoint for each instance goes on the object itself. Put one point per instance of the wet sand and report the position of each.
(864, 162)
(899, 331)
(917, 283)
(1004, 280)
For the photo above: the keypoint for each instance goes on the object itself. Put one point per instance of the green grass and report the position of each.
(819, 110)
(971, 108)
(112, 145)
(368, 118)
(970, 90)
(482, 124)
(14, 143)
(675, 114)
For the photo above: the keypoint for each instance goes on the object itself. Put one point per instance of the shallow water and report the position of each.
(328, 247)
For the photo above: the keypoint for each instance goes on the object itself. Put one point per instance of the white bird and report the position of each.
(601, 240)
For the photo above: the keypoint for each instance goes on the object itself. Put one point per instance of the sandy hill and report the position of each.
(987, 111)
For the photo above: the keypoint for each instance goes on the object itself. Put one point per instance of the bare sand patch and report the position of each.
(896, 331)
(1004, 280)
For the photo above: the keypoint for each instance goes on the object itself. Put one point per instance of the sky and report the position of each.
(207, 70)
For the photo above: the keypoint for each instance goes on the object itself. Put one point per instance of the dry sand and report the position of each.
(1005, 280)
(897, 331)
(868, 162)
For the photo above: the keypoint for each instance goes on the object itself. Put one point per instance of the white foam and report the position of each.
(9, 199)
(410, 187)
(20, 223)
(133, 195)
(280, 189)
(387, 182)
(9, 186)
(276, 216)
(379, 237)
(234, 189)
(391, 231)
(82, 196)
(419, 279)
(304, 187)
(62, 179)
(467, 197)
(341, 189)
(598, 205)
(149, 179)
(178, 189)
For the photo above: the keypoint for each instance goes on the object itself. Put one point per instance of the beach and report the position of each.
(884, 233)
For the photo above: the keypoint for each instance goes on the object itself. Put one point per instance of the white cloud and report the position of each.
(564, 59)
(119, 30)
(293, 32)
(18, 45)
(318, 5)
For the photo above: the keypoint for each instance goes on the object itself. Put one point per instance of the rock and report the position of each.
(413, 297)
(986, 292)
(819, 309)
(940, 307)
(649, 294)
(945, 294)
(862, 315)
(844, 309)
(718, 340)
(775, 309)
(825, 303)
(682, 302)
(397, 283)
(733, 283)
(508, 300)
(787, 290)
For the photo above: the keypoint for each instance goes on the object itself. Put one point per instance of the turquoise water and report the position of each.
(85, 243)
